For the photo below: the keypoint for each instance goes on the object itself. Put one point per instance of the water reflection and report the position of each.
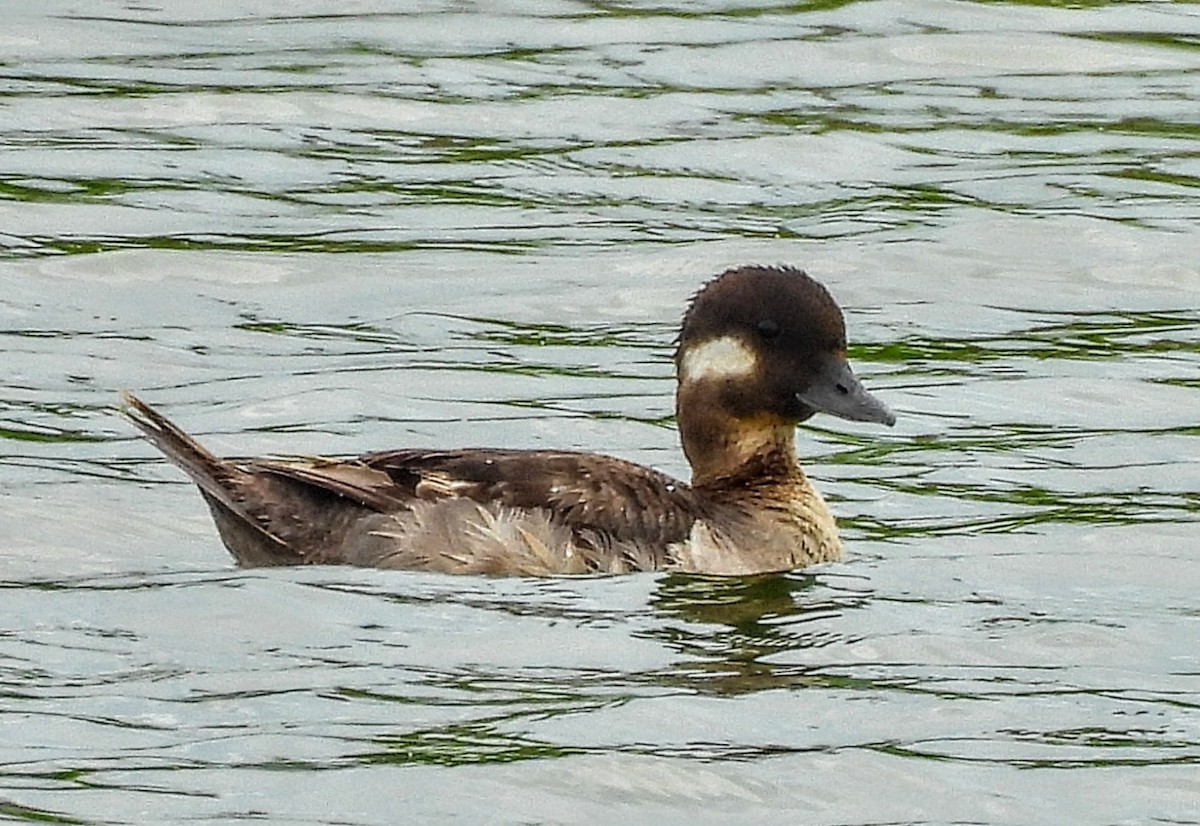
(477, 742)
(727, 628)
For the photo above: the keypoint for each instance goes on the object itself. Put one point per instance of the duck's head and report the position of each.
(762, 348)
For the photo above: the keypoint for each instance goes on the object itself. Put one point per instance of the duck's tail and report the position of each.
(210, 472)
(220, 480)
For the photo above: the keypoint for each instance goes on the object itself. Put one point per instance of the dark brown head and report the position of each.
(770, 343)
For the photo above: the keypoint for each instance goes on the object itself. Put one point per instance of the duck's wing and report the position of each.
(476, 511)
(502, 511)
(585, 491)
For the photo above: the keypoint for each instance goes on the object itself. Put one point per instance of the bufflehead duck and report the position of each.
(761, 349)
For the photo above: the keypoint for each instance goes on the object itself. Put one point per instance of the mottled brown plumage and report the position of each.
(760, 350)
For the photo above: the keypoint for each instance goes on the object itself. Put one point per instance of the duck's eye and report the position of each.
(768, 328)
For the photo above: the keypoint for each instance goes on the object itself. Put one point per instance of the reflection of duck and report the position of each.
(761, 349)
(729, 632)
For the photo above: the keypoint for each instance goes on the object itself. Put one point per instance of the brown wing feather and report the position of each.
(350, 479)
(619, 501)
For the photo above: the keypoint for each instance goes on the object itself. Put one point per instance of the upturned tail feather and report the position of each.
(215, 476)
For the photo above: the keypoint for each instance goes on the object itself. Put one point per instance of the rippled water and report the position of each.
(302, 228)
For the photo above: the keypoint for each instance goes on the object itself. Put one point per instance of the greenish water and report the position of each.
(316, 230)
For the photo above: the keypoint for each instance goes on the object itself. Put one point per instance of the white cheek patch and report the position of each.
(728, 357)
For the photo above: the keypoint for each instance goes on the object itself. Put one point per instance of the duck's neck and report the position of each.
(724, 449)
